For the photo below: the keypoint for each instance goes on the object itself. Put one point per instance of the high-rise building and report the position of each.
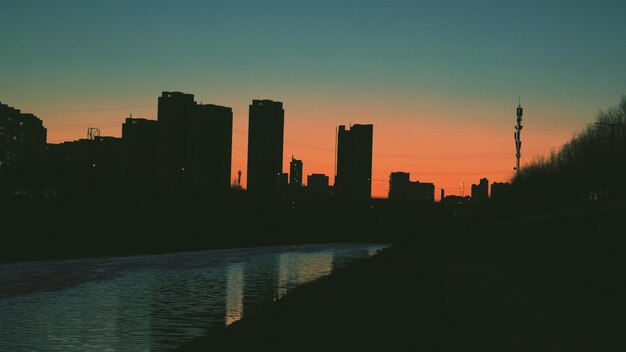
(265, 145)
(354, 161)
(22, 145)
(283, 182)
(480, 192)
(210, 147)
(399, 185)
(194, 143)
(174, 113)
(139, 152)
(295, 173)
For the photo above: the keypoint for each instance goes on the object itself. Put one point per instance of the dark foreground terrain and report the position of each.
(56, 229)
(553, 282)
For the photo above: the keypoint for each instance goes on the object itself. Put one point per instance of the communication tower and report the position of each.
(518, 137)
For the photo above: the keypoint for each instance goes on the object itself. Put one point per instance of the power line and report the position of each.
(460, 173)
(97, 109)
(83, 124)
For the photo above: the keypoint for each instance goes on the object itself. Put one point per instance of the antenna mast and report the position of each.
(517, 135)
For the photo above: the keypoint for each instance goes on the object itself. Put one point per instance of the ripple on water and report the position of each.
(151, 303)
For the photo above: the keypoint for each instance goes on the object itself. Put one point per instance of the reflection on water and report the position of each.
(297, 268)
(151, 303)
(234, 293)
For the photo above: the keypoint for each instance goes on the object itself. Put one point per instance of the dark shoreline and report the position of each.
(56, 229)
(545, 282)
(458, 277)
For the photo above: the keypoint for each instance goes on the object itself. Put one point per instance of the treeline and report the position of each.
(592, 166)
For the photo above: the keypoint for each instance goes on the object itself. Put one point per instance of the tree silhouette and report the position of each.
(589, 167)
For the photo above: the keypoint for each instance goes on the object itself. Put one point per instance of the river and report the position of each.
(154, 302)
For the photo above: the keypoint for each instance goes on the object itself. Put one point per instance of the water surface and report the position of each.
(151, 303)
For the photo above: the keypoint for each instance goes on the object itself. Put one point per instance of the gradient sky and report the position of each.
(439, 80)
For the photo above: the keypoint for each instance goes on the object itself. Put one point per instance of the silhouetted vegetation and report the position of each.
(592, 166)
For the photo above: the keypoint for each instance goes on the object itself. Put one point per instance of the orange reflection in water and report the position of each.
(234, 293)
(298, 268)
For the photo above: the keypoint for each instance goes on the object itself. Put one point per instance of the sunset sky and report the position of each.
(439, 80)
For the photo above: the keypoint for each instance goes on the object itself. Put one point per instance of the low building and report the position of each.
(499, 189)
(85, 163)
(402, 188)
(480, 191)
(317, 183)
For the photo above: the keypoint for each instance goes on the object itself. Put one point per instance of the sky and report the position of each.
(440, 80)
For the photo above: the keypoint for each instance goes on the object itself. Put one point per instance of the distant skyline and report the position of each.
(439, 81)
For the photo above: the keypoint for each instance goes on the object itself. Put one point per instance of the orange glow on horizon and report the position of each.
(440, 150)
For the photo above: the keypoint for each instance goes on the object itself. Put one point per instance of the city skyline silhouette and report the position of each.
(190, 145)
(379, 182)
(439, 81)
(322, 175)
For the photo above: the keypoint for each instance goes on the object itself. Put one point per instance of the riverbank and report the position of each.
(57, 229)
(546, 282)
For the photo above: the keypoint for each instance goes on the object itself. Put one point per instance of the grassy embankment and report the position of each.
(552, 282)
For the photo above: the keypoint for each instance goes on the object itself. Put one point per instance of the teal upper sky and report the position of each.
(91, 53)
